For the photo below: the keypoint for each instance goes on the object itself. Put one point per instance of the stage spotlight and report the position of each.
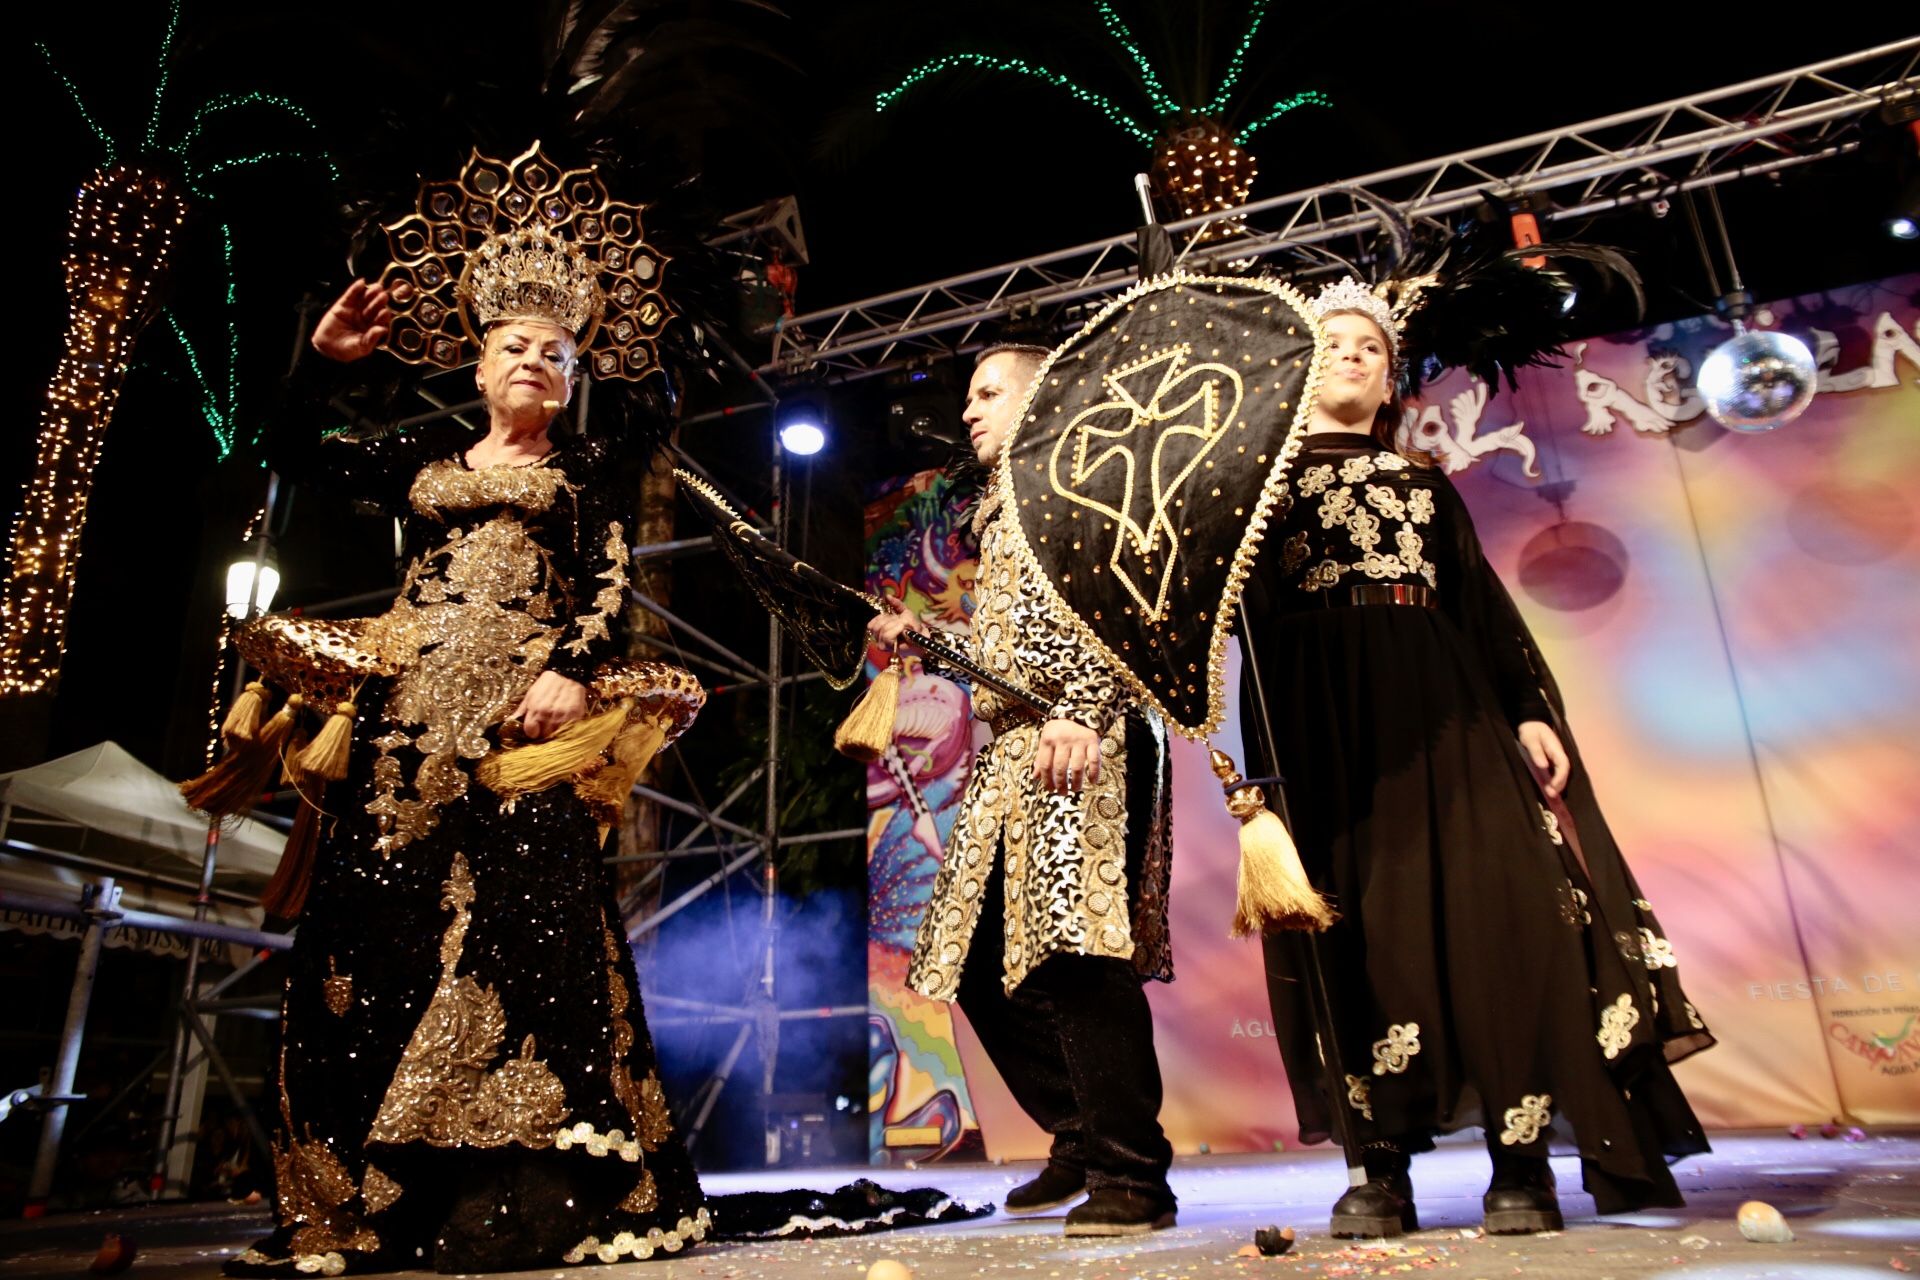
(803, 428)
(1903, 228)
(241, 591)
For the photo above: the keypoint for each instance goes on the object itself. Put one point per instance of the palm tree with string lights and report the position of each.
(123, 234)
(1201, 164)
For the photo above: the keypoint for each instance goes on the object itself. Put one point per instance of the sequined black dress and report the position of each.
(1494, 963)
(466, 1076)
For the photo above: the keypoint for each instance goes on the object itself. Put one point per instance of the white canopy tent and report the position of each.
(66, 822)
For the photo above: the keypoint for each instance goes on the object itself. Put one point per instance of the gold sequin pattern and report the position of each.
(445, 1091)
(645, 1196)
(336, 991)
(314, 1188)
(608, 601)
(448, 488)
(378, 1191)
(1065, 856)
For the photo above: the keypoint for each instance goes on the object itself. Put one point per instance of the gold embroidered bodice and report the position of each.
(1358, 513)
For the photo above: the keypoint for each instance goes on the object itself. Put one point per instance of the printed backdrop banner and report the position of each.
(1732, 619)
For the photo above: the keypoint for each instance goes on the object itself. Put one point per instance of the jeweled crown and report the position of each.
(1349, 294)
(525, 239)
(531, 274)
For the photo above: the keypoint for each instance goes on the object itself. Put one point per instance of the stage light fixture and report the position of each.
(1903, 228)
(803, 427)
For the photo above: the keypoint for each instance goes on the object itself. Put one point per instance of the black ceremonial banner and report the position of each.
(1145, 465)
(826, 619)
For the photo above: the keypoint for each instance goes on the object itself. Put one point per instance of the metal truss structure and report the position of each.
(1758, 126)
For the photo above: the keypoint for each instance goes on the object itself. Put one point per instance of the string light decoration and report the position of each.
(125, 222)
(122, 231)
(1201, 165)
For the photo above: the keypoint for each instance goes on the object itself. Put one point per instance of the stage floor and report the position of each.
(1855, 1208)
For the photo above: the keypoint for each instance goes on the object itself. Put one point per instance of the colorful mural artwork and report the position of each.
(1732, 619)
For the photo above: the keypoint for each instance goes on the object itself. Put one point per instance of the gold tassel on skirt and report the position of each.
(605, 789)
(327, 755)
(535, 766)
(286, 894)
(867, 731)
(1274, 893)
(243, 718)
(245, 772)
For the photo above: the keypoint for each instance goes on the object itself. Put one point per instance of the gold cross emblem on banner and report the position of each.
(1130, 458)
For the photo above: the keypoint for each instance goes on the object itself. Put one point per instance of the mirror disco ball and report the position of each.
(1757, 380)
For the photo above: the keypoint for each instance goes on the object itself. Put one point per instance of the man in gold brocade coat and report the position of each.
(1050, 905)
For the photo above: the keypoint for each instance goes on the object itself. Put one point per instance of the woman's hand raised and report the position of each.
(354, 325)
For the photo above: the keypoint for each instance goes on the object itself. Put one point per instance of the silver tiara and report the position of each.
(1348, 294)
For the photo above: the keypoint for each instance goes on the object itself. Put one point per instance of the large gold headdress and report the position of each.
(525, 239)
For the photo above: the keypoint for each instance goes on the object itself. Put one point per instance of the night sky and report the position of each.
(966, 172)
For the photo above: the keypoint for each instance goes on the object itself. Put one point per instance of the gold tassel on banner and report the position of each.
(326, 756)
(535, 766)
(1274, 893)
(243, 718)
(867, 731)
(245, 772)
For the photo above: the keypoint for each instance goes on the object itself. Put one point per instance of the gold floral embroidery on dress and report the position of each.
(1321, 576)
(314, 1188)
(465, 659)
(1551, 822)
(1314, 479)
(447, 488)
(1377, 566)
(1356, 469)
(1335, 507)
(609, 599)
(1693, 1017)
(1420, 506)
(1397, 1049)
(1360, 1095)
(1389, 462)
(1573, 906)
(614, 1142)
(1387, 502)
(1617, 1022)
(656, 1118)
(1411, 548)
(443, 1092)
(336, 990)
(1655, 951)
(1363, 528)
(645, 1196)
(1525, 1121)
(1295, 551)
(618, 1074)
(378, 1191)
(629, 1244)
